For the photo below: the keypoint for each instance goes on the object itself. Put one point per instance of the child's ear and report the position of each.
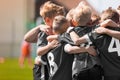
(47, 20)
(74, 22)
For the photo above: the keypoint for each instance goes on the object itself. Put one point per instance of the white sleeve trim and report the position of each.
(69, 28)
(66, 47)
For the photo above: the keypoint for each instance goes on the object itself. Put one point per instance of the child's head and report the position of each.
(110, 14)
(60, 24)
(95, 18)
(82, 15)
(49, 10)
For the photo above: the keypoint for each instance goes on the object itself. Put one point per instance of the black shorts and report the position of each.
(94, 73)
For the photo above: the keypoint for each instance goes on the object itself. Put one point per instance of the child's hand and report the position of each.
(45, 29)
(109, 22)
(52, 37)
(53, 44)
(101, 30)
(91, 50)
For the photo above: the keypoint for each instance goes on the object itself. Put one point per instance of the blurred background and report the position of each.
(19, 16)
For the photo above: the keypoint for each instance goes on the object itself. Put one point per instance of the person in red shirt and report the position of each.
(25, 54)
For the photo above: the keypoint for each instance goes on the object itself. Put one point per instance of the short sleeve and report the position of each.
(65, 38)
(42, 41)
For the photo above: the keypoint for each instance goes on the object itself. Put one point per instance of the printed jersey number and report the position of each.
(114, 46)
(53, 65)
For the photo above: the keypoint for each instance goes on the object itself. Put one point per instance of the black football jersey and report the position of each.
(109, 48)
(42, 41)
(59, 62)
(84, 61)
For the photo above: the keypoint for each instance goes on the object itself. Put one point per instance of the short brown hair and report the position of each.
(110, 14)
(50, 9)
(59, 24)
(82, 15)
(95, 18)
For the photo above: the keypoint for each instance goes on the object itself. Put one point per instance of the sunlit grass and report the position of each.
(10, 70)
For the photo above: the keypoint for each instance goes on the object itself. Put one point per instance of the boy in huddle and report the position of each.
(86, 66)
(48, 11)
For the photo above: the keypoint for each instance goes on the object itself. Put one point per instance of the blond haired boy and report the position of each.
(48, 11)
(83, 70)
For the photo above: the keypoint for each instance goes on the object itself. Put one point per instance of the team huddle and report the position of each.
(78, 45)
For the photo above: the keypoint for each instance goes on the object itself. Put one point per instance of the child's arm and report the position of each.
(76, 39)
(32, 35)
(52, 37)
(77, 50)
(113, 33)
(91, 50)
(108, 22)
(74, 49)
(41, 50)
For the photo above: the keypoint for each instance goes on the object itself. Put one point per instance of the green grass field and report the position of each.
(10, 70)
